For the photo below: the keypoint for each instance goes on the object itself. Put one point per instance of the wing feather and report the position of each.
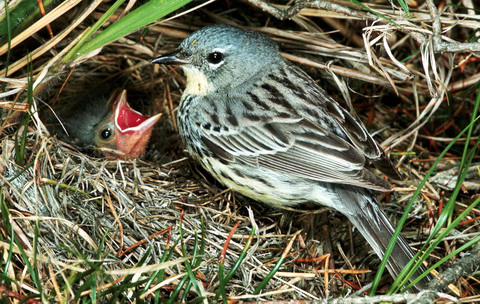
(297, 147)
(354, 132)
(360, 138)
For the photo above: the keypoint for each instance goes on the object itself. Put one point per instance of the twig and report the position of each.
(396, 298)
(291, 11)
(440, 46)
(468, 265)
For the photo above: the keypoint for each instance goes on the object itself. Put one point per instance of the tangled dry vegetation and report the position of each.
(78, 227)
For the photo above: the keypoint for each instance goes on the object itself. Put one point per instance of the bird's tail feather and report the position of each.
(373, 224)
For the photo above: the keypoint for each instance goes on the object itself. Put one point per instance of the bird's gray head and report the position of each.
(220, 57)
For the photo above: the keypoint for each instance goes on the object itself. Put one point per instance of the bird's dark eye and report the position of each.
(215, 57)
(106, 133)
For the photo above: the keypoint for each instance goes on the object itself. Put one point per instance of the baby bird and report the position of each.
(106, 124)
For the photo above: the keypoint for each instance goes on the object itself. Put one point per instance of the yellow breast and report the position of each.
(197, 82)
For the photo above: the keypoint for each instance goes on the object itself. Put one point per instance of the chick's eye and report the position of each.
(106, 133)
(215, 57)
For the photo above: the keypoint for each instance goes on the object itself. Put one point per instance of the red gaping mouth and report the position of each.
(133, 128)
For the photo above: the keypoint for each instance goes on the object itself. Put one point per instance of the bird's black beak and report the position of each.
(174, 58)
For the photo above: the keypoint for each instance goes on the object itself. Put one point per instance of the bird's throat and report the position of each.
(197, 82)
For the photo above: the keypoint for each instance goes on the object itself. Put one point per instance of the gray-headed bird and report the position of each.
(263, 127)
(107, 124)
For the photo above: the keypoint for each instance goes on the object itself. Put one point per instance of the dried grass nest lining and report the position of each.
(72, 225)
(127, 203)
(138, 191)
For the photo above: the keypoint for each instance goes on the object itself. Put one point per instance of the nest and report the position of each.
(130, 231)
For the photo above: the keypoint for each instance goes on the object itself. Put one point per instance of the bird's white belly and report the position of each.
(268, 186)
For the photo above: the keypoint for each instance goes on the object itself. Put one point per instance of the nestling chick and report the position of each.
(109, 125)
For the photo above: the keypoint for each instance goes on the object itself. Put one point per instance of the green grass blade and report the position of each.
(410, 56)
(128, 279)
(239, 261)
(223, 282)
(188, 267)
(17, 12)
(22, 15)
(270, 275)
(196, 261)
(93, 294)
(467, 158)
(405, 8)
(142, 16)
(32, 270)
(470, 130)
(5, 278)
(405, 215)
(372, 11)
(159, 274)
(440, 239)
(445, 216)
(89, 283)
(117, 290)
(463, 7)
(92, 30)
(9, 36)
(127, 282)
(8, 228)
(197, 300)
(221, 265)
(474, 37)
(20, 145)
(242, 256)
(470, 90)
(36, 233)
(28, 298)
(177, 290)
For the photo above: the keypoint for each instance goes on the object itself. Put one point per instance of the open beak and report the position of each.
(133, 129)
(174, 58)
